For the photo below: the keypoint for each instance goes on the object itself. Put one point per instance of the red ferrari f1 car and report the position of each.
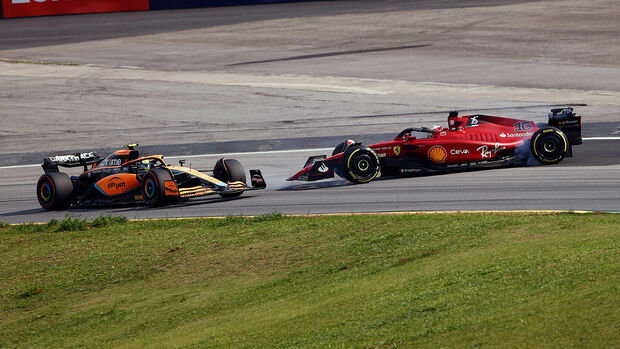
(126, 177)
(469, 142)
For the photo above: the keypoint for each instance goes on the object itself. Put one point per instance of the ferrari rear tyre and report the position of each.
(229, 170)
(549, 145)
(153, 187)
(359, 164)
(54, 191)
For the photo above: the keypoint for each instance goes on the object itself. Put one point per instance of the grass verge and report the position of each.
(277, 281)
(22, 61)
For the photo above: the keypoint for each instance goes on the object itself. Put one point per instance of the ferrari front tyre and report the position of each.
(549, 145)
(55, 191)
(153, 187)
(229, 170)
(340, 148)
(359, 164)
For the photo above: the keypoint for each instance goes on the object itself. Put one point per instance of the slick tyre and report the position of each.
(55, 191)
(359, 164)
(153, 187)
(229, 170)
(340, 148)
(549, 145)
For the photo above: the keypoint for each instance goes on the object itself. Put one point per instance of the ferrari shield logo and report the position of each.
(397, 150)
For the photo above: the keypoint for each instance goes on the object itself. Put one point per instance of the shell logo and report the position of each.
(437, 154)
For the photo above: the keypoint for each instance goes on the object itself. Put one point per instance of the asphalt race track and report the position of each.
(275, 84)
(575, 184)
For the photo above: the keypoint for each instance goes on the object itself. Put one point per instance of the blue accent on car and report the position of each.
(101, 191)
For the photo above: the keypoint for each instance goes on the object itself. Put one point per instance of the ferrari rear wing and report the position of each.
(570, 123)
(51, 163)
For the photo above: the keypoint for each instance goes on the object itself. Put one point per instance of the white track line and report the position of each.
(275, 152)
(208, 155)
(252, 153)
(19, 166)
(601, 138)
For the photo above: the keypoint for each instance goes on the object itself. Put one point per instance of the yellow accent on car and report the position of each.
(196, 173)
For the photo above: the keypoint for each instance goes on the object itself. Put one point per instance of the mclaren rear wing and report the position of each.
(51, 163)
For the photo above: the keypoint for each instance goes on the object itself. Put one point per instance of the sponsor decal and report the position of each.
(473, 121)
(116, 183)
(516, 135)
(138, 197)
(110, 162)
(72, 157)
(569, 124)
(410, 170)
(459, 151)
(437, 154)
(65, 158)
(486, 153)
(397, 150)
(323, 168)
(522, 126)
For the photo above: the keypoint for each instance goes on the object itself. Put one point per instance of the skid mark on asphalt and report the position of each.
(331, 54)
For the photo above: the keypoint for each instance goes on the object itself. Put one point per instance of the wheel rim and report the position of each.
(550, 146)
(149, 188)
(46, 192)
(363, 166)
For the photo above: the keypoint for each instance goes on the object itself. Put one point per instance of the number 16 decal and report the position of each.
(523, 126)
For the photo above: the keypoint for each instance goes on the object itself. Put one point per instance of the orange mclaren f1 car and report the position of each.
(126, 177)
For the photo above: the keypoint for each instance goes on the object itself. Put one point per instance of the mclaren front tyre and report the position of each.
(228, 171)
(158, 187)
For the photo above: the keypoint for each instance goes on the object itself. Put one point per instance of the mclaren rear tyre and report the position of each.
(153, 187)
(549, 145)
(359, 164)
(229, 170)
(55, 191)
